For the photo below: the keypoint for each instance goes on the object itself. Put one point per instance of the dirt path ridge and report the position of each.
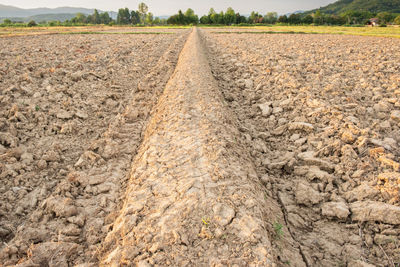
(193, 196)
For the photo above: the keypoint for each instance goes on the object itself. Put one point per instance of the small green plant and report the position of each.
(37, 108)
(205, 221)
(278, 228)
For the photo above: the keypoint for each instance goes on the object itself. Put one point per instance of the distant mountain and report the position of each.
(40, 14)
(296, 12)
(42, 17)
(374, 6)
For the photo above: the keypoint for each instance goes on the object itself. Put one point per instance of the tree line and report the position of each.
(142, 16)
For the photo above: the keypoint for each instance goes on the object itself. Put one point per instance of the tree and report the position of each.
(157, 21)
(80, 18)
(105, 18)
(294, 19)
(32, 23)
(123, 17)
(149, 18)
(240, 18)
(271, 17)
(191, 17)
(213, 16)
(356, 17)
(397, 20)
(318, 18)
(308, 19)
(205, 20)
(283, 19)
(230, 16)
(143, 9)
(253, 17)
(385, 17)
(256, 18)
(95, 17)
(135, 17)
(7, 21)
(211, 12)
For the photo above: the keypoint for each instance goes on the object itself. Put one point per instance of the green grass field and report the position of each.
(390, 31)
(364, 31)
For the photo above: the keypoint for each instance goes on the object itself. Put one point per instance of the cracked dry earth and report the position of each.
(199, 149)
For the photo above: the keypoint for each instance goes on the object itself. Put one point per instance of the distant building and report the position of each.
(373, 22)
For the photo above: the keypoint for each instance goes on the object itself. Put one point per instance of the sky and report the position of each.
(169, 7)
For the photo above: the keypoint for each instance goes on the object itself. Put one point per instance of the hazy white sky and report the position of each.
(169, 7)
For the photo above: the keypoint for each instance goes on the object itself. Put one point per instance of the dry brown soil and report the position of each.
(72, 112)
(321, 117)
(199, 149)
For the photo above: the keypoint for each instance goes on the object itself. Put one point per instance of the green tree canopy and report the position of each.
(230, 16)
(143, 9)
(123, 17)
(271, 17)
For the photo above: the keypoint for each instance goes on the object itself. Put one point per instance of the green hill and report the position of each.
(374, 6)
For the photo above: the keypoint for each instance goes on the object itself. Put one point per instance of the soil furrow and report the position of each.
(193, 197)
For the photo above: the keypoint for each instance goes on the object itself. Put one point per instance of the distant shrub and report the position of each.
(31, 23)
(383, 25)
(397, 20)
(7, 22)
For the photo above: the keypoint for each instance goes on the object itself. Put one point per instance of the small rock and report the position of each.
(51, 156)
(300, 141)
(98, 179)
(248, 84)
(381, 107)
(314, 172)
(81, 114)
(4, 232)
(223, 214)
(266, 109)
(279, 130)
(26, 158)
(37, 95)
(8, 140)
(295, 137)
(71, 230)
(265, 179)
(302, 126)
(348, 137)
(63, 114)
(375, 211)
(384, 239)
(277, 110)
(363, 191)
(306, 195)
(42, 164)
(111, 103)
(395, 115)
(309, 159)
(62, 207)
(78, 220)
(358, 174)
(335, 209)
(385, 125)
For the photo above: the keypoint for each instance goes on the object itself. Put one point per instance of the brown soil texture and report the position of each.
(193, 198)
(72, 111)
(322, 118)
(199, 149)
